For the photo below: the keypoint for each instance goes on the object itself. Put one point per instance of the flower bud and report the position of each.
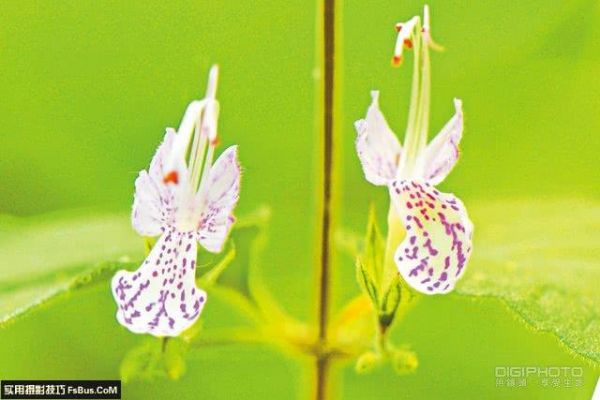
(404, 361)
(367, 362)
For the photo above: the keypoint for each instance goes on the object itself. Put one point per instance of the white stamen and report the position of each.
(427, 30)
(197, 150)
(405, 33)
(209, 119)
(184, 133)
(213, 79)
(200, 119)
(417, 126)
(188, 121)
(205, 133)
(426, 20)
(205, 171)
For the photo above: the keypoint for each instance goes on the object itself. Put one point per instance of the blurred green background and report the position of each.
(88, 88)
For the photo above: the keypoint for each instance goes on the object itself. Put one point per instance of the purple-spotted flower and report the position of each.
(438, 240)
(184, 199)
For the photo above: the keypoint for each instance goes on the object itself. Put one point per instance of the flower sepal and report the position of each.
(389, 304)
(404, 360)
(369, 264)
(377, 277)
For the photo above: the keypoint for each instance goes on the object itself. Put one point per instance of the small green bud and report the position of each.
(367, 362)
(404, 361)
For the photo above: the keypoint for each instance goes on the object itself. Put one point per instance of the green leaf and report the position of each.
(44, 256)
(248, 237)
(366, 282)
(210, 278)
(369, 264)
(541, 258)
(374, 248)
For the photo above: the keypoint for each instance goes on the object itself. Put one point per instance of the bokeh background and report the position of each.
(87, 89)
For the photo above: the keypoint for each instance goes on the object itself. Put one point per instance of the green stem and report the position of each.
(381, 341)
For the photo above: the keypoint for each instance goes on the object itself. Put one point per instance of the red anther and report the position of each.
(408, 43)
(398, 27)
(396, 61)
(171, 177)
(215, 142)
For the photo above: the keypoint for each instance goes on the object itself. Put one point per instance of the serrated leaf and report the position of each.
(44, 256)
(542, 258)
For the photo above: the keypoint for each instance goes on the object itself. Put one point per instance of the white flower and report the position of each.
(184, 199)
(438, 241)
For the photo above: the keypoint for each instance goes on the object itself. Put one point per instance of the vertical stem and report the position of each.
(327, 169)
(322, 362)
(322, 369)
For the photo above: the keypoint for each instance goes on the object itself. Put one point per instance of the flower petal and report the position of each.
(377, 146)
(153, 199)
(219, 198)
(146, 217)
(438, 240)
(440, 156)
(161, 297)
